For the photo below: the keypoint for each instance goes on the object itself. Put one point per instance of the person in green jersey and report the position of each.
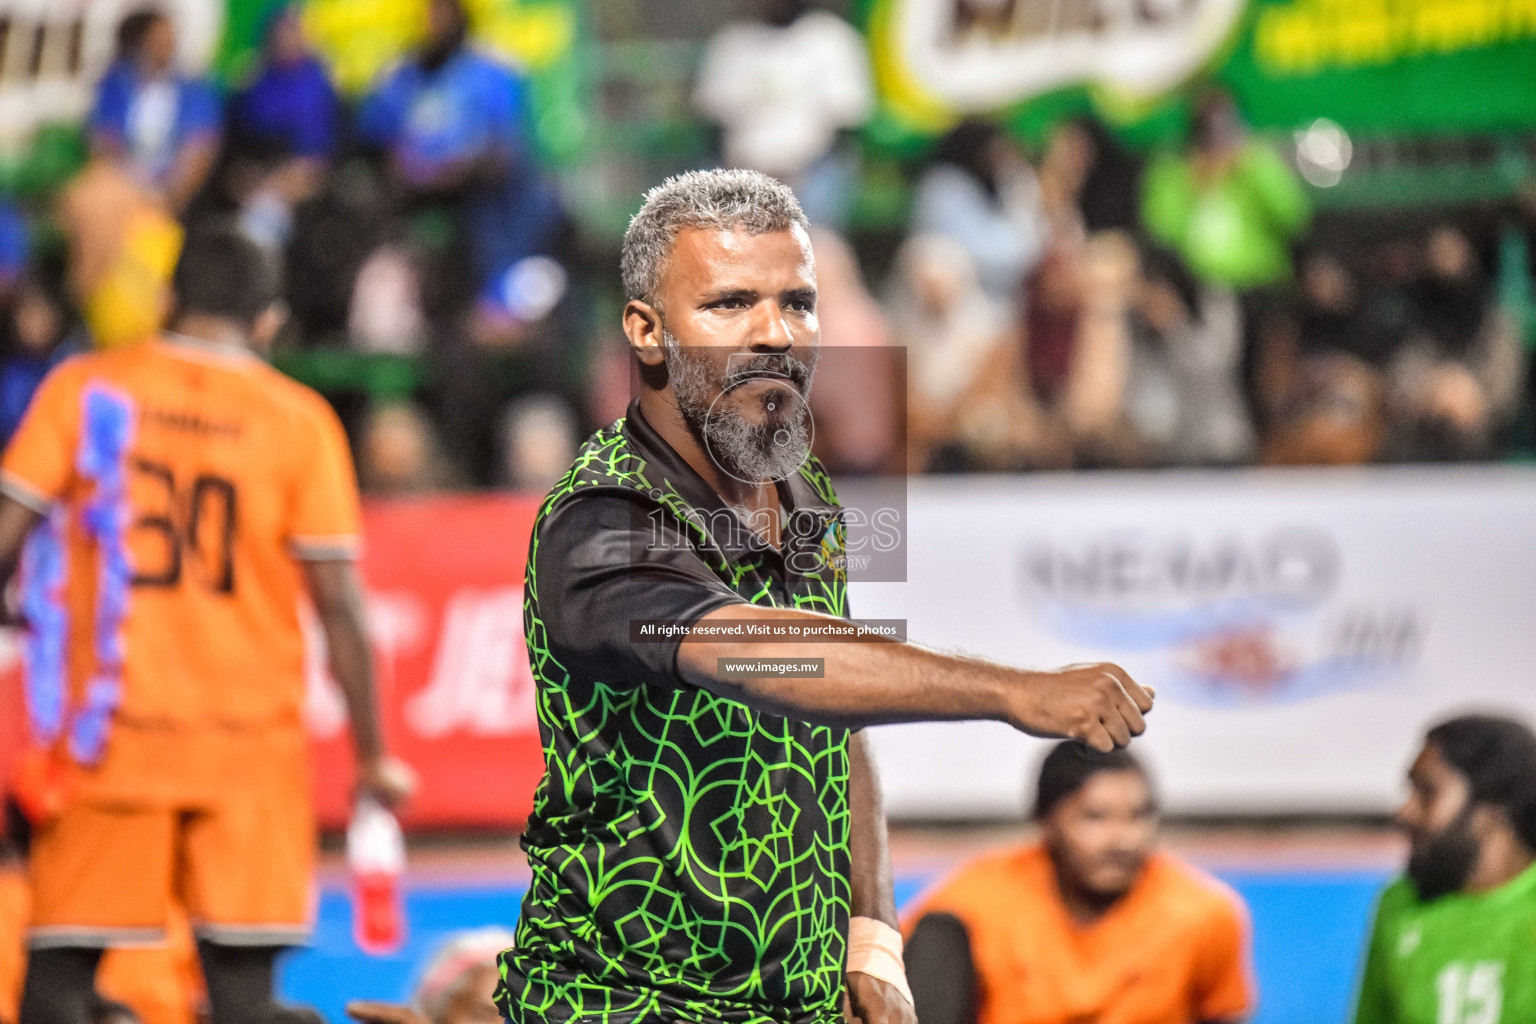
(706, 844)
(1454, 940)
(1231, 206)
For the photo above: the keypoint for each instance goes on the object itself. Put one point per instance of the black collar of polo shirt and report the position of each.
(806, 514)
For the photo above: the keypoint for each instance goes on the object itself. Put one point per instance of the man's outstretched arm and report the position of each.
(879, 681)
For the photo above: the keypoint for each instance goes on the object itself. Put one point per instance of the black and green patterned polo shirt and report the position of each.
(689, 854)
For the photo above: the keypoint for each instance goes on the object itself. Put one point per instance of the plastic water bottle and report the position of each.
(376, 857)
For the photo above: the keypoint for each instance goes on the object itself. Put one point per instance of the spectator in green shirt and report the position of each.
(1230, 206)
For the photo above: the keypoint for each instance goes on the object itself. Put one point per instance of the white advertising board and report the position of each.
(1301, 627)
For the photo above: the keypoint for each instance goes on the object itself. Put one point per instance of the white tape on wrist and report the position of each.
(874, 948)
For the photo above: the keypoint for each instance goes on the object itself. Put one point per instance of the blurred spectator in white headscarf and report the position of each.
(1075, 346)
(964, 408)
(783, 88)
(981, 191)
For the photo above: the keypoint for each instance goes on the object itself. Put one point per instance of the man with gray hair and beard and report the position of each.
(707, 843)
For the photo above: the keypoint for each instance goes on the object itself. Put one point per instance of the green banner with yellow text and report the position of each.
(1375, 67)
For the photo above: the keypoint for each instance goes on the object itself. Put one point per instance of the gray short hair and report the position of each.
(723, 199)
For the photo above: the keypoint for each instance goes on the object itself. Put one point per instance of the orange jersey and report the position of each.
(183, 482)
(1172, 951)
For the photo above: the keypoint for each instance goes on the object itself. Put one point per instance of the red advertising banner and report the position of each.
(445, 610)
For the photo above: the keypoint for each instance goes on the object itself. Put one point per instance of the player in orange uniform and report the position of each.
(1091, 924)
(190, 493)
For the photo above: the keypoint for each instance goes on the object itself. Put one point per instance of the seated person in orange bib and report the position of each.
(1091, 923)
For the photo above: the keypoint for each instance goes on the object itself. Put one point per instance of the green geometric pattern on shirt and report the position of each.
(709, 836)
(1467, 958)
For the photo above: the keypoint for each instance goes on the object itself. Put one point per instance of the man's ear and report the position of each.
(1486, 819)
(642, 326)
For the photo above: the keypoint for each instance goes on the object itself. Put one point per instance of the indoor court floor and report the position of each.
(1309, 888)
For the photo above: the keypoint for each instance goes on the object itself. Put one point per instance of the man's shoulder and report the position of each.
(111, 369)
(116, 82)
(606, 484)
(264, 379)
(605, 463)
(253, 386)
(1193, 889)
(1397, 899)
(313, 409)
(985, 881)
(197, 87)
(611, 465)
(488, 66)
(151, 363)
(73, 370)
(816, 476)
(1399, 905)
(109, 362)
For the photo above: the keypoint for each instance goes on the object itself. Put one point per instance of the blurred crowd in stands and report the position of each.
(1076, 304)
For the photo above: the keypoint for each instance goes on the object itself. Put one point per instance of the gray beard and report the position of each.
(752, 453)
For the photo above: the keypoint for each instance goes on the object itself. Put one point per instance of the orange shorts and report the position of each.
(242, 865)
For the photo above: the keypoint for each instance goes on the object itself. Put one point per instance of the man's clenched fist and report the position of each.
(1098, 704)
